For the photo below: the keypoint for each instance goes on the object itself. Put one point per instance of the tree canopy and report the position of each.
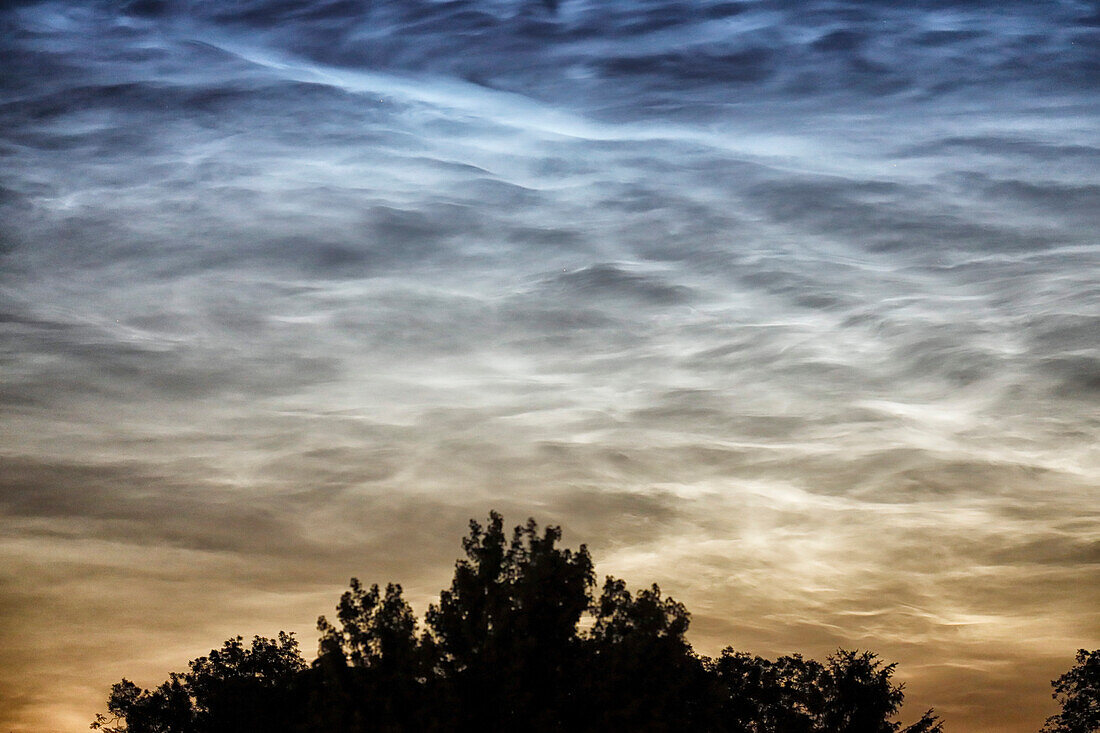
(505, 649)
(1078, 692)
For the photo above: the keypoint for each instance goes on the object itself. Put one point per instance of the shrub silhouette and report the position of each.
(504, 650)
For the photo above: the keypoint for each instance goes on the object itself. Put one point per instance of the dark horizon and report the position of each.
(792, 308)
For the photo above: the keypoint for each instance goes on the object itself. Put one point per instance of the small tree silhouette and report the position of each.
(234, 688)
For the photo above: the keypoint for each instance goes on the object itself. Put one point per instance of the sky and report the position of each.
(790, 307)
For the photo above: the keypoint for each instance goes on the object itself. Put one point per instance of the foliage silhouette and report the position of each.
(851, 693)
(1078, 692)
(505, 649)
(504, 636)
(235, 688)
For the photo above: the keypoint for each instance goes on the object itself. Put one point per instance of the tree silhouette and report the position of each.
(860, 698)
(504, 634)
(1078, 692)
(504, 649)
(237, 687)
(758, 695)
(234, 688)
(369, 672)
(642, 673)
(851, 693)
(168, 709)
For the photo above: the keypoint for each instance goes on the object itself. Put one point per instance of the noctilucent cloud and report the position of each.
(792, 307)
